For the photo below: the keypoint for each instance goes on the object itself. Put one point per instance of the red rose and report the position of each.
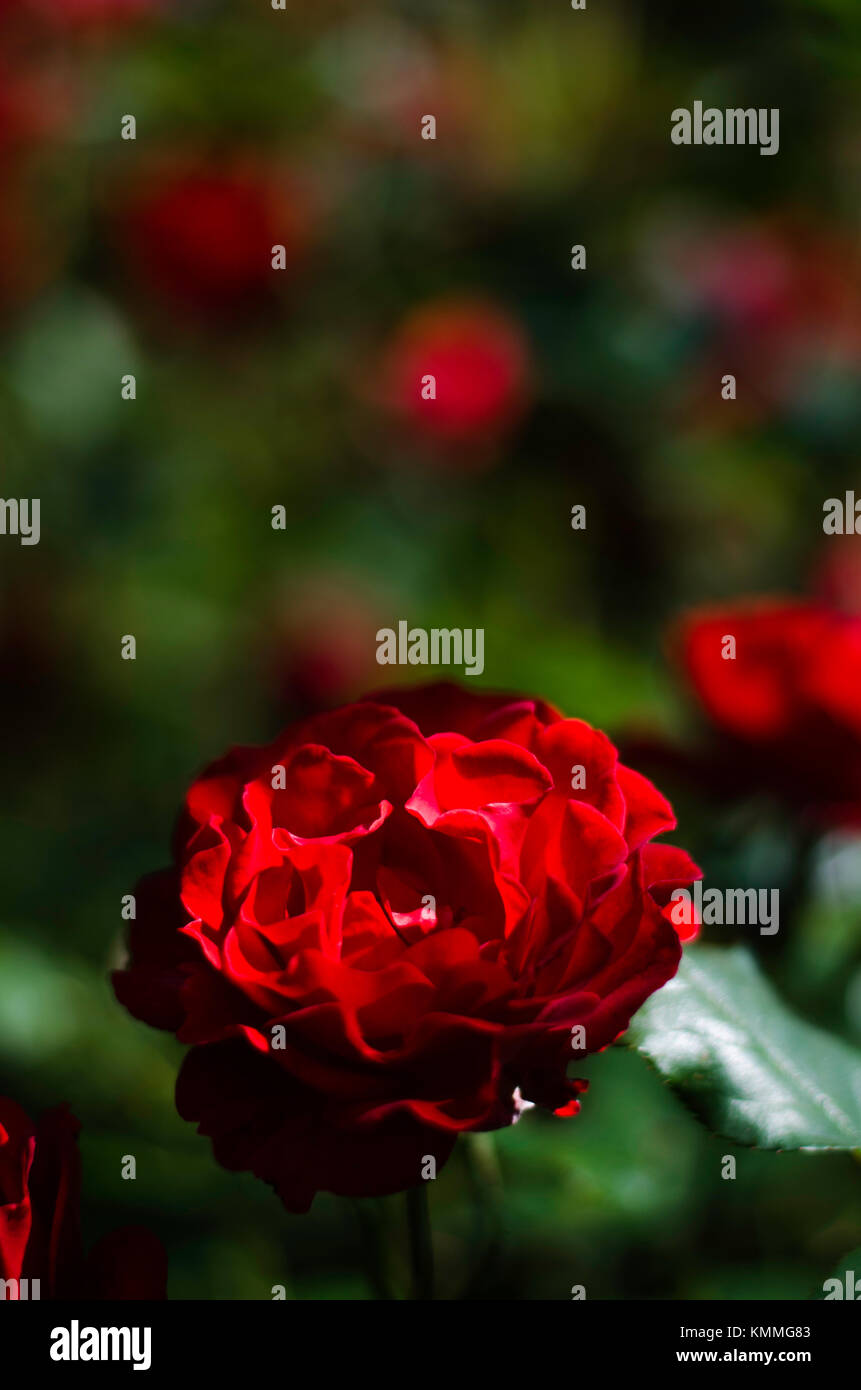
(201, 238)
(392, 945)
(787, 707)
(40, 1239)
(479, 361)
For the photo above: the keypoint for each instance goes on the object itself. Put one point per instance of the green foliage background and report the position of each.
(156, 521)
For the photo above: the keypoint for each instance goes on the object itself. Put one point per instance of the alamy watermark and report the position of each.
(19, 516)
(742, 907)
(842, 515)
(735, 126)
(20, 1290)
(439, 646)
(76, 1343)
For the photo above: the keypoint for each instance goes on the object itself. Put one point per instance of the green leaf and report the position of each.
(748, 1068)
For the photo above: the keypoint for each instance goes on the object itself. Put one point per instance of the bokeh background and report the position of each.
(257, 388)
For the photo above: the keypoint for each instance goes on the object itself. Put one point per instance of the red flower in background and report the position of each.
(381, 929)
(785, 713)
(777, 286)
(44, 88)
(479, 359)
(38, 99)
(317, 642)
(775, 303)
(89, 14)
(40, 1239)
(39, 88)
(201, 237)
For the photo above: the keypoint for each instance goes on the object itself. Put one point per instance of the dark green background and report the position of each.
(156, 522)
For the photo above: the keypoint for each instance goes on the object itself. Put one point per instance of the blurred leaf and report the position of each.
(59, 1020)
(68, 363)
(744, 1064)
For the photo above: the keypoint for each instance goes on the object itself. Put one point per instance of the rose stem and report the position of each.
(370, 1216)
(485, 1180)
(421, 1248)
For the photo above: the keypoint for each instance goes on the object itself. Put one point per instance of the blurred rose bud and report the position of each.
(457, 371)
(321, 645)
(206, 239)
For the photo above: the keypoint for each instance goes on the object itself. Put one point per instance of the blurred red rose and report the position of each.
(38, 99)
(44, 86)
(318, 642)
(392, 946)
(775, 303)
(201, 237)
(91, 14)
(780, 287)
(479, 359)
(786, 711)
(40, 1179)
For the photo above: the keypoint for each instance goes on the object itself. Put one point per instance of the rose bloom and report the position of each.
(40, 1180)
(480, 360)
(200, 237)
(785, 714)
(392, 945)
